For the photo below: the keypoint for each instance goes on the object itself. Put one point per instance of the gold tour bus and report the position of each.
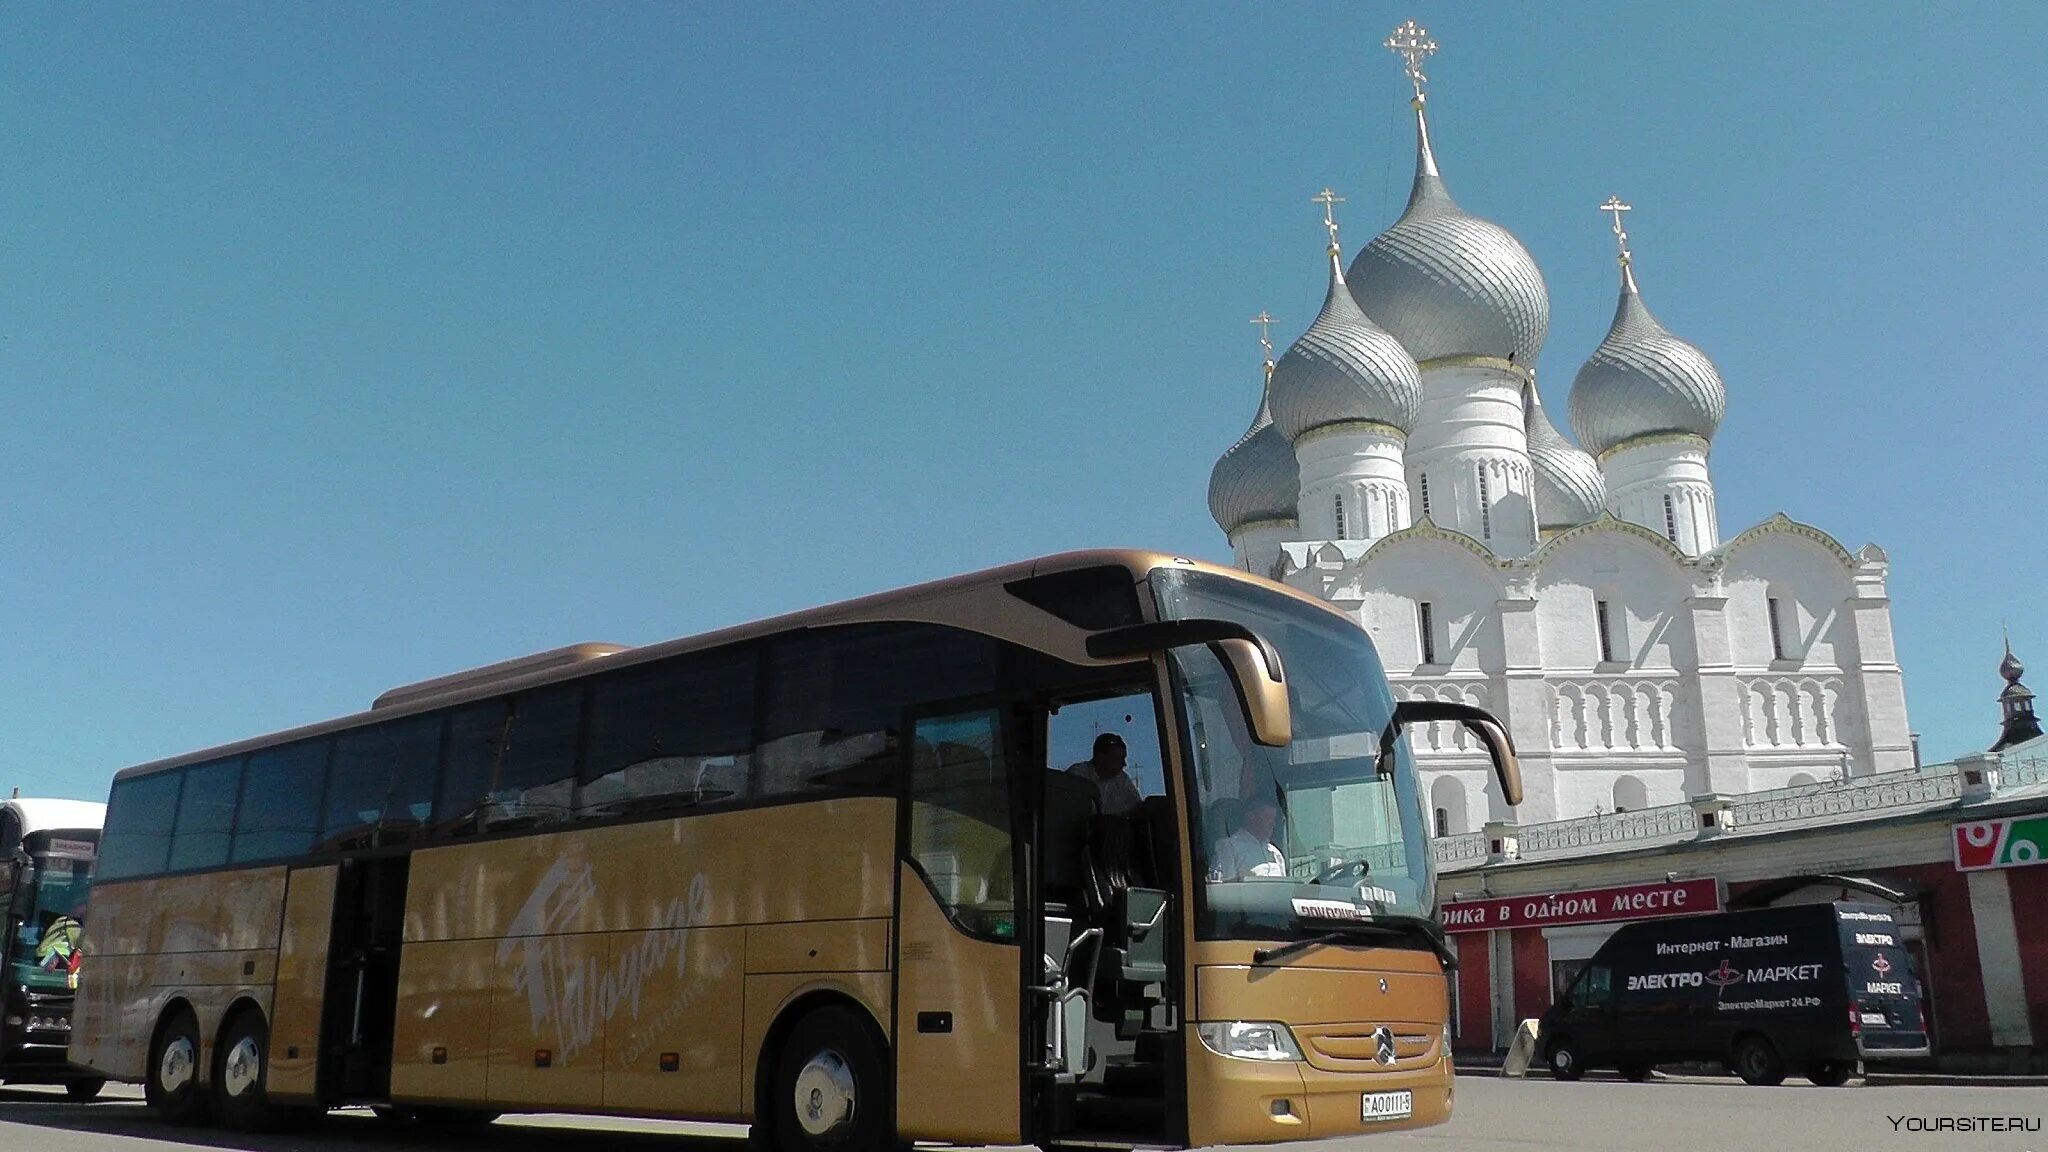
(856, 876)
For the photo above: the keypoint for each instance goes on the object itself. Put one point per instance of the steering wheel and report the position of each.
(1342, 870)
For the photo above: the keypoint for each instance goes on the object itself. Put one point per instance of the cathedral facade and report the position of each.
(1403, 467)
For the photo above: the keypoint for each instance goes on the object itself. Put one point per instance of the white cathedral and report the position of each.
(1402, 467)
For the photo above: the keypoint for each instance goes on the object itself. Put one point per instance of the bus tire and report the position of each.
(831, 1088)
(172, 1088)
(1757, 1062)
(1829, 1073)
(83, 1091)
(241, 1076)
(1565, 1060)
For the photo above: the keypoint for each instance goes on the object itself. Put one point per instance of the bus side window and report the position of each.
(381, 775)
(680, 731)
(833, 714)
(960, 820)
(137, 839)
(511, 762)
(206, 815)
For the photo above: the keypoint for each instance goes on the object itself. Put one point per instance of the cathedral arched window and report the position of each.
(1340, 516)
(1670, 519)
(1630, 795)
(1485, 506)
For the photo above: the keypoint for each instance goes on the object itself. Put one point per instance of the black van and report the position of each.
(1812, 987)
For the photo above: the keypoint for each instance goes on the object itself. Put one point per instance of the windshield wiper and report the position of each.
(1411, 927)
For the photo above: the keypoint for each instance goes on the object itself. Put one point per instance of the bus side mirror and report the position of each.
(1479, 721)
(1253, 664)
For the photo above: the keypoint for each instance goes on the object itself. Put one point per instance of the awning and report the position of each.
(1764, 895)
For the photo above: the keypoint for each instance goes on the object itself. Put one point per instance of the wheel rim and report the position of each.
(1753, 1060)
(825, 1096)
(175, 1067)
(244, 1066)
(1562, 1058)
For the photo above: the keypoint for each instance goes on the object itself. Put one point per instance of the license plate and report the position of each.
(1876, 1020)
(1388, 1105)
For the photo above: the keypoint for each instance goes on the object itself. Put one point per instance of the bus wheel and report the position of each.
(83, 1090)
(1829, 1073)
(1565, 1061)
(240, 1083)
(831, 1086)
(1635, 1072)
(172, 1088)
(1757, 1062)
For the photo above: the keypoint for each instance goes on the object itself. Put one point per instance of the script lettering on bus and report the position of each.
(569, 994)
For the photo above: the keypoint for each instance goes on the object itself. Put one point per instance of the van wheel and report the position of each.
(172, 1089)
(1635, 1072)
(1829, 1073)
(1757, 1062)
(831, 1087)
(1565, 1061)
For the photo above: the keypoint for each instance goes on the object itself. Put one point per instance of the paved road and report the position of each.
(1501, 1115)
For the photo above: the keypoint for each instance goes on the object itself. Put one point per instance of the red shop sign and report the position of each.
(1589, 906)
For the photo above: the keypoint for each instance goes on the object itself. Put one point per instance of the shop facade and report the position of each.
(1958, 851)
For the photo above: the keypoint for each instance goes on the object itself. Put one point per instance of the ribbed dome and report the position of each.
(1257, 478)
(1344, 368)
(1643, 381)
(1447, 283)
(1569, 487)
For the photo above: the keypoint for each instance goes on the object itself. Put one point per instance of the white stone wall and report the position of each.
(1470, 444)
(1695, 700)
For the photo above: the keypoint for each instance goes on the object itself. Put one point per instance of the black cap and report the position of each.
(1108, 740)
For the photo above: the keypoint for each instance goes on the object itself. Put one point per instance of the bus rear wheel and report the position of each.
(172, 1088)
(241, 1077)
(831, 1087)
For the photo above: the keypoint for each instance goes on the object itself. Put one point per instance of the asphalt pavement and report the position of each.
(1593, 1115)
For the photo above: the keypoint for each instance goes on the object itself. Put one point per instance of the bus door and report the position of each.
(1107, 1011)
(960, 969)
(361, 1002)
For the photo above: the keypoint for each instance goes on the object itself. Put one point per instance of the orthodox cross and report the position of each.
(1412, 44)
(1265, 323)
(1329, 200)
(1615, 208)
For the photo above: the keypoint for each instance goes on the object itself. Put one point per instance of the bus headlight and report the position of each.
(1249, 1040)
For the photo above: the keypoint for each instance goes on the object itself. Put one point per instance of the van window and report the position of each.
(1595, 988)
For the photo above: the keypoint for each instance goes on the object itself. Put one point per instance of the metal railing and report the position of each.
(1910, 788)
(1609, 828)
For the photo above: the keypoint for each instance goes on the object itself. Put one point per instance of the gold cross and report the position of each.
(1615, 208)
(1329, 200)
(1412, 44)
(1265, 323)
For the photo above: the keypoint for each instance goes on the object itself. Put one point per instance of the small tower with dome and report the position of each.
(1345, 395)
(2015, 704)
(1648, 404)
(1255, 486)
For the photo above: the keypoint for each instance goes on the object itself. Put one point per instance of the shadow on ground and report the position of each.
(346, 1130)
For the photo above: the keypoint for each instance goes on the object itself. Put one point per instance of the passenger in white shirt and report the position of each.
(1116, 793)
(1249, 851)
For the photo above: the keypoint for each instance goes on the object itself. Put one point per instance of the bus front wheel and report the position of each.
(172, 1089)
(831, 1087)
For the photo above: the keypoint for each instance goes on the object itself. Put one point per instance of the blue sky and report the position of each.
(350, 345)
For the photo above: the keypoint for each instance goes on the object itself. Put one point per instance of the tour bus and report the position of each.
(1812, 987)
(47, 849)
(847, 876)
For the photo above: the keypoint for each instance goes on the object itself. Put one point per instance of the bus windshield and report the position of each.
(46, 943)
(1294, 841)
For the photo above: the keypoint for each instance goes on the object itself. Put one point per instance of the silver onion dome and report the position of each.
(1256, 478)
(1447, 283)
(1344, 369)
(1643, 381)
(1569, 487)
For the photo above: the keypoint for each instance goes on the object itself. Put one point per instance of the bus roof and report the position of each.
(576, 660)
(40, 814)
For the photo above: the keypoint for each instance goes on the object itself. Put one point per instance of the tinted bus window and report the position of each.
(138, 835)
(280, 809)
(512, 762)
(836, 698)
(380, 776)
(679, 731)
(206, 815)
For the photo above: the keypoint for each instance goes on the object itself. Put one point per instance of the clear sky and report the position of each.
(352, 344)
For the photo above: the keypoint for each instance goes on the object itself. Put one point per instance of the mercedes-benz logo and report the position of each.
(1383, 1045)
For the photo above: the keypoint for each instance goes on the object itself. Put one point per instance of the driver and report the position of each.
(1249, 851)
